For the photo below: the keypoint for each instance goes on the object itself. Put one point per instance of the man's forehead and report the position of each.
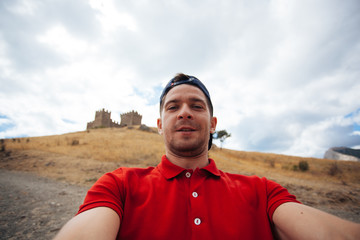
(185, 91)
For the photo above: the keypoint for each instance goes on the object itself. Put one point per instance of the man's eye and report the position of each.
(171, 108)
(198, 107)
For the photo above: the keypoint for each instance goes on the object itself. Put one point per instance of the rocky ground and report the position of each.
(33, 207)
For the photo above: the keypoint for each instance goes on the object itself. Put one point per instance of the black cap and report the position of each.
(192, 81)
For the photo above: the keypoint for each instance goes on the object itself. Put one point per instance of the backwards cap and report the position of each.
(190, 80)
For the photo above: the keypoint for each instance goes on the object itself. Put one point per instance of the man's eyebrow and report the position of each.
(197, 100)
(171, 101)
(193, 99)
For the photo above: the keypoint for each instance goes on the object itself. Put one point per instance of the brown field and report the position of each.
(82, 157)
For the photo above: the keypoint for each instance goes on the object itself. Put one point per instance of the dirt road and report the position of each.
(33, 207)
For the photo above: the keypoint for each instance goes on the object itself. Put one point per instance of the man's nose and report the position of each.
(185, 112)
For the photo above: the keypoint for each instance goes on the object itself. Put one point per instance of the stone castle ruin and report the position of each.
(103, 120)
(130, 118)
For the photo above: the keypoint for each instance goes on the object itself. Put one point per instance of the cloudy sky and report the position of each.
(284, 76)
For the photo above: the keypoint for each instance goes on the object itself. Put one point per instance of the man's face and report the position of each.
(185, 121)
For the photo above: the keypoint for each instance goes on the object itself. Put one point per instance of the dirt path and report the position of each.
(33, 207)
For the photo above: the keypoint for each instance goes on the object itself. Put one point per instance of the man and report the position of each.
(187, 197)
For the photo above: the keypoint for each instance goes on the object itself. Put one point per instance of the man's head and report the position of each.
(186, 79)
(186, 112)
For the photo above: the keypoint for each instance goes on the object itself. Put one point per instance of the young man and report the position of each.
(187, 197)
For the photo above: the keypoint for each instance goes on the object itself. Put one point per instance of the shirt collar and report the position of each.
(170, 170)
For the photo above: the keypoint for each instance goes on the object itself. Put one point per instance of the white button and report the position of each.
(195, 194)
(187, 174)
(197, 221)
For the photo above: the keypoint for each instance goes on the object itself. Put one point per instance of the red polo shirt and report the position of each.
(170, 202)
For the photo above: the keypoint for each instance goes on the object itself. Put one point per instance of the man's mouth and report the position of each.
(185, 129)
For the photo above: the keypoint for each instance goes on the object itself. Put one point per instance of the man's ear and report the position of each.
(213, 122)
(159, 126)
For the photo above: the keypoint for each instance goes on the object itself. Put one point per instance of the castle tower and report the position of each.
(130, 118)
(102, 119)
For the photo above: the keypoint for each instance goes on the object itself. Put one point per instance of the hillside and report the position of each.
(82, 157)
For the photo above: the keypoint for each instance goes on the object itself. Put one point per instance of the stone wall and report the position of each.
(130, 118)
(102, 119)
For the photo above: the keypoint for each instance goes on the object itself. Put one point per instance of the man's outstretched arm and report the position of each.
(96, 223)
(298, 221)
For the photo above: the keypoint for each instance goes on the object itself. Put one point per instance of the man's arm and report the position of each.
(298, 221)
(96, 223)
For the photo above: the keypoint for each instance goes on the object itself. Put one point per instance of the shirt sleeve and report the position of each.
(108, 192)
(276, 195)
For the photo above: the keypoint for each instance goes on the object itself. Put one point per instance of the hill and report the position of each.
(343, 153)
(82, 157)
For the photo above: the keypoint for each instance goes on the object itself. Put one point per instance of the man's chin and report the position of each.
(188, 149)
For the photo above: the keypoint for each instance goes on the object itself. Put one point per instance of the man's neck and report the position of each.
(189, 162)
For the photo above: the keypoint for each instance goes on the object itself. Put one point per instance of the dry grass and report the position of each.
(133, 147)
(268, 164)
(106, 145)
(82, 157)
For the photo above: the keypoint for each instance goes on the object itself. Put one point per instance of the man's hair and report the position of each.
(181, 78)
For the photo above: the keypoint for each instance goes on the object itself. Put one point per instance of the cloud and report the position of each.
(283, 76)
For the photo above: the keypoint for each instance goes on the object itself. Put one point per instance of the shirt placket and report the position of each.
(197, 216)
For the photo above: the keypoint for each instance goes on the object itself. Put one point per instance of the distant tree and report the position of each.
(221, 135)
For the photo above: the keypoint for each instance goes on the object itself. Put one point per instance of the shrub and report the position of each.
(2, 141)
(303, 166)
(334, 169)
(295, 167)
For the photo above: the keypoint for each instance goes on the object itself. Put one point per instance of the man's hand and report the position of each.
(297, 221)
(96, 223)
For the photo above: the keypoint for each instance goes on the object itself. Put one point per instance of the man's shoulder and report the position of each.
(126, 172)
(244, 179)
(240, 176)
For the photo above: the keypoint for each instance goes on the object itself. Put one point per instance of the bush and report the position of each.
(334, 169)
(295, 167)
(2, 142)
(303, 166)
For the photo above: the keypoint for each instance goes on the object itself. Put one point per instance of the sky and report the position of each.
(284, 76)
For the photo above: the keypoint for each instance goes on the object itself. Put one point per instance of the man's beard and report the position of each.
(189, 147)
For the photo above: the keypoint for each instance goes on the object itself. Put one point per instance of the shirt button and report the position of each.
(187, 174)
(195, 194)
(197, 221)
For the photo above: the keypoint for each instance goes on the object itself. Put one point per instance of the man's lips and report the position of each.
(185, 129)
